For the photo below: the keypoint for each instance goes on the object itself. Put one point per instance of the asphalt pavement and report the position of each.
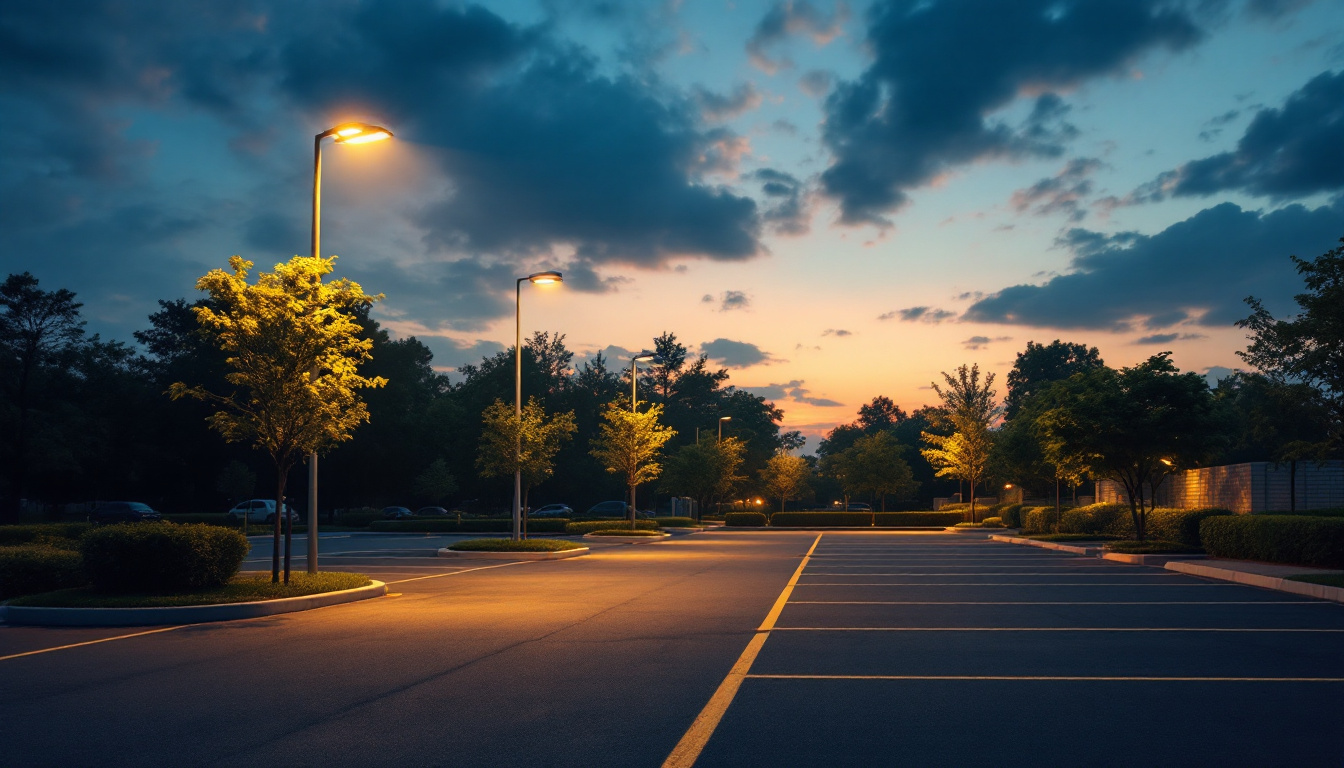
(884, 649)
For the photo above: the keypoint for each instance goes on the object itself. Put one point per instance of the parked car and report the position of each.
(123, 512)
(430, 511)
(259, 511)
(614, 509)
(553, 510)
(858, 506)
(397, 513)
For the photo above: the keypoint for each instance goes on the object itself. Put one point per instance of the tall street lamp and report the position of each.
(634, 396)
(540, 278)
(721, 420)
(345, 133)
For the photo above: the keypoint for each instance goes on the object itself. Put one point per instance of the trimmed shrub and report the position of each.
(1335, 512)
(921, 519)
(816, 519)
(1294, 539)
(588, 526)
(745, 519)
(358, 518)
(1038, 519)
(1152, 547)
(1180, 525)
(162, 557)
(451, 525)
(676, 522)
(992, 522)
(1011, 515)
(638, 532)
(26, 570)
(54, 535)
(508, 545)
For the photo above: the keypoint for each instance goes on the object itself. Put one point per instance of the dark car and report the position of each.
(430, 511)
(613, 509)
(397, 513)
(554, 510)
(857, 506)
(123, 512)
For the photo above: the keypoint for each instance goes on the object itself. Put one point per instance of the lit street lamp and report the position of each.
(634, 372)
(540, 278)
(721, 420)
(345, 133)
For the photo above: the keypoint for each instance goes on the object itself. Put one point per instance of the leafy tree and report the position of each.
(706, 471)
(294, 352)
(784, 477)
(512, 443)
(969, 408)
(1134, 426)
(1040, 365)
(1309, 348)
(876, 468)
(35, 327)
(881, 413)
(436, 484)
(629, 445)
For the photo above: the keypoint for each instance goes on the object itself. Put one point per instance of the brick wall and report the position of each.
(1258, 486)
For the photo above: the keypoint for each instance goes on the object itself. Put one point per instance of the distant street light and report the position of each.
(540, 278)
(721, 420)
(634, 371)
(345, 133)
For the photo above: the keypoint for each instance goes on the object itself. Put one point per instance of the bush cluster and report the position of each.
(508, 545)
(1295, 539)
(53, 535)
(1334, 512)
(1037, 519)
(1180, 525)
(1011, 515)
(162, 557)
(920, 519)
(588, 526)
(675, 522)
(745, 519)
(811, 519)
(1152, 547)
(25, 570)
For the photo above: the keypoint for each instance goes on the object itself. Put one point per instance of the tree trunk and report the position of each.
(527, 489)
(1292, 485)
(632, 504)
(1058, 516)
(275, 532)
(973, 520)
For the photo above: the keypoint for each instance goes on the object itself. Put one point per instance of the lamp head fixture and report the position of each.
(359, 133)
(546, 278)
(725, 418)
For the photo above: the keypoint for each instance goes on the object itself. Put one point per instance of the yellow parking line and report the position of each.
(464, 570)
(1061, 602)
(94, 642)
(1004, 584)
(1048, 629)
(1081, 678)
(697, 736)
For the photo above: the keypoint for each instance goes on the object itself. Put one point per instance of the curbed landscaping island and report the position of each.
(244, 588)
(508, 549)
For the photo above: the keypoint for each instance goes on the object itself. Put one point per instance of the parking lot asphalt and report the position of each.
(949, 651)
(882, 649)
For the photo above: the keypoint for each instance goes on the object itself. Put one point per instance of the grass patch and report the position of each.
(509, 545)
(1071, 537)
(627, 532)
(1328, 579)
(676, 522)
(242, 589)
(985, 524)
(1152, 547)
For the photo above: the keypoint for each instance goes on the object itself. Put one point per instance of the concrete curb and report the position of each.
(186, 614)
(982, 531)
(1320, 591)
(838, 528)
(659, 537)
(1086, 551)
(1157, 560)
(445, 552)
(691, 529)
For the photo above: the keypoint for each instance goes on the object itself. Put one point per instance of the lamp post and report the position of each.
(345, 133)
(634, 396)
(539, 278)
(721, 420)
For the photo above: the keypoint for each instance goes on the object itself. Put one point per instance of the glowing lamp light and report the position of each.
(546, 278)
(1168, 462)
(360, 133)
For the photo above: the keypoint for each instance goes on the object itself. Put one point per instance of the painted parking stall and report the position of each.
(939, 650)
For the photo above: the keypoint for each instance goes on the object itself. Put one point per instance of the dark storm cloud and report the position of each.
(785, 211)
(925, 106)
(1201, 269)
(1289, 152)
(1167, 338)
(787, 19)
(793, 391)
(735, 354)
(462, 295)
(1062, 193)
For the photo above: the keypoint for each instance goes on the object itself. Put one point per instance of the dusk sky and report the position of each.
(833, 200)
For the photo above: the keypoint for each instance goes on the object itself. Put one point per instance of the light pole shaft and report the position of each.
(312, 457)
(518, 409)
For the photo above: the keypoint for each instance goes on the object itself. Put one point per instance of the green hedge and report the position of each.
(588, 526)
(1011, 515)
(922, 519)
(358, 518)
(1181, 525)
(33, 568)
(1335, 512)
(745, 519)
(508, 545)
(1152, 547)
(676, 522)
(1294, 539)
(451, 525)
(162, 557)
(55, 535)
(815, 519)
(1038, 519)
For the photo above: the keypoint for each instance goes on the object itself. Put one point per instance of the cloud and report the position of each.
(1199, 269)
(716, 107)
(836, 332)
(1167, 338)
(931, 315)
(789, 18)
(1061, 193)
(980, 342)
(1216, 373)
(785, 211)
(735, 354)
(816, 83)
(452, 354)
(1285, 153)
(728, 300)
(924, 106)
(792, 391)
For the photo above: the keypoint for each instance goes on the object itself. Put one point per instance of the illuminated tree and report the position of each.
(629, 445)
(877, 469)
(527, 445)
(784, 477)
(706, 471)
(969, 408)
(293, 351)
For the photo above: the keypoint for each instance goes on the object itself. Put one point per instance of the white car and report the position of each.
(258, 511)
